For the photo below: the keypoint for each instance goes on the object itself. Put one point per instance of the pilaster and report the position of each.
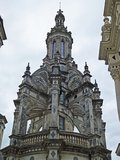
(114, 69)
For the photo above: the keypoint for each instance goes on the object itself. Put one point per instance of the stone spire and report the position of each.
(87, 74)
(27, 72)
(86, 69)
(96, 91)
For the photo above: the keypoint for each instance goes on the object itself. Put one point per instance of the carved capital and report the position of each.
(115, 73)
(114, 65)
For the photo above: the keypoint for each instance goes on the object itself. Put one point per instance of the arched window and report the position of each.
(75, 158)
(61, 123)
(32, 158)
(53, 48)
(62, 49)
(28, 126)
(62, 98)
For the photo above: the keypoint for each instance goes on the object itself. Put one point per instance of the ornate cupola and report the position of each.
(59, 19)
(59, 39)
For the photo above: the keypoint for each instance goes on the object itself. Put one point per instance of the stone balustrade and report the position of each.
(34, 138)
(37, 138)
(74, 138)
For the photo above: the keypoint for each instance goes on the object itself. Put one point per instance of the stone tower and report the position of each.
(53, 103)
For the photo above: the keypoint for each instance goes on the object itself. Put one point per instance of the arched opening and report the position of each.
(41, 128)
(62, 98)
(61, 123)
(75, 158)
(76, 130)
(62, 49)
(53, 48)
(28, 126)
(32, 158)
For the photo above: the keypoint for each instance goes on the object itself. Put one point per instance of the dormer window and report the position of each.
(53, 48)
(62, 49)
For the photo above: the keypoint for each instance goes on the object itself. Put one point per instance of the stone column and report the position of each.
(55, 93)
(55, 99)
(3, 121)
(115, 73)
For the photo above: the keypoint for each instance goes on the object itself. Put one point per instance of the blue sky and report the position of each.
(27, 23)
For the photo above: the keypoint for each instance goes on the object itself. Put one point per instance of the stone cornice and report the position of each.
(110, 45)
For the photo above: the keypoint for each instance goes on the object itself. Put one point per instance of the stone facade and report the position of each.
(3, 121)
(110, 45)
(54, 101)
(2, 32)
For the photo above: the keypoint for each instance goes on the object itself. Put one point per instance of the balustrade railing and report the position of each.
(74, 138)
(34, 139)
(37, 138)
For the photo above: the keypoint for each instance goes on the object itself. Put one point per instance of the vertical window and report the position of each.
(62, 48)
(62, 98)
(53, 48)
(61, 123)
(28, 126)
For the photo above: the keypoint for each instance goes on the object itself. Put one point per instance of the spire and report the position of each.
(96, 89)
(87, 74)
(96, 85)
(27, 72)
(86, 69)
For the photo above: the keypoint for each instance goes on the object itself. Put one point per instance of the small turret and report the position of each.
(87, 75)
(96, 91)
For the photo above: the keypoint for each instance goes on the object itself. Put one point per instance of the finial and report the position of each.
(28, 67)
(96, 85)
(86, 66)
(27, 72)
(96, 89)
(86, 69)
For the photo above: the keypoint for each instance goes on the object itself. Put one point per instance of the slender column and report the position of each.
(55, 94)
(116, 76)
(117, 88)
